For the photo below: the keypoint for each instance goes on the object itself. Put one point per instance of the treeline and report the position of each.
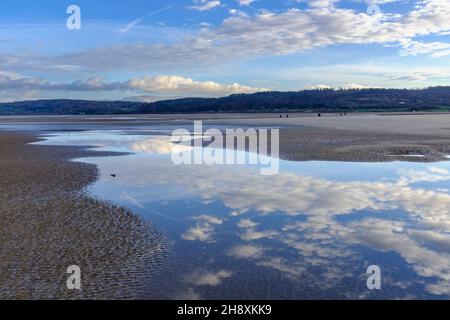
(70, 107)
(435, 98)
(380, 100)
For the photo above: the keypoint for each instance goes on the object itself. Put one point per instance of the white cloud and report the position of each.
(9, 80)
(236, 12)
(245, 2)
(210, 219)
(391, 236)
(205, 5)
(159, 146)
(160, 83)
(349, 86)
(201, 232)
(247, 223)
(438, 170)
(369, 2)
(321, 3)
(354, 86)
(183, 84)
(204, 230)
(333, 240)
(288, 268)
(252, 234)
(240, 37)
(435, 49)
(432, 174)
(441, 240)
(246, 251)
(207, 278)
(319, 87)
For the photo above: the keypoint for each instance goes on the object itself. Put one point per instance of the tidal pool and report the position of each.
(309, 232)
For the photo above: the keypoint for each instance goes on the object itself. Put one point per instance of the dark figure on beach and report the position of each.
(113, 175)
(319, 115)
(287, 116)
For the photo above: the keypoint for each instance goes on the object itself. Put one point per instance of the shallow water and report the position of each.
(310, 231)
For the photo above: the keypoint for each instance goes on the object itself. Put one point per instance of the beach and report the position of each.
(423, 137)
(49, 222)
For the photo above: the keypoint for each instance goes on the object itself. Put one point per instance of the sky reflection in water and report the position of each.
(308, 232)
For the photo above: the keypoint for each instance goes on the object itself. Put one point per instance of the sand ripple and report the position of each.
(48, 223)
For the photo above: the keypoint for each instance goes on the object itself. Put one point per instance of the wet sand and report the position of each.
(355, 137)
(48, 223)
(368, 138)
(302, 144)
(421, 137)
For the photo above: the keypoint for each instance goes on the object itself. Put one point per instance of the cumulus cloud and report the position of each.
(201, 232)
(159, 146)
(321, 3)
(252, 234)
(204, 230)
(207, 278)
(288, 268)
(159, 83)
(439, 240)
(183, 84)
(349, 86)
(209, 219)
(247, 223)
(431, 174)
(246, 251)
(245, 2)
(10, 80)
(319, 87)
(435, 49)
(205, 5)
(239, 37)
(391, 236)
(236, 12)
(369, 2)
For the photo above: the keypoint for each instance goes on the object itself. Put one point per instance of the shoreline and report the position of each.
(49, 223)
(322, 144)
(368, 137)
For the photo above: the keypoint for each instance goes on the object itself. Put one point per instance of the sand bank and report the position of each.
(48, 223)
(355, 137)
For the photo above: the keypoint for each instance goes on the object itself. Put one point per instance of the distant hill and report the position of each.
(377, 100)
(70, 107)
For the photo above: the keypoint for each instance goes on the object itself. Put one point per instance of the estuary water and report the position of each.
(309, 232)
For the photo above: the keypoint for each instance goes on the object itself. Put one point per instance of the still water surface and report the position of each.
(310, 231)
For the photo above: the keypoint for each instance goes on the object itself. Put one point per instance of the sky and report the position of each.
(151, 50)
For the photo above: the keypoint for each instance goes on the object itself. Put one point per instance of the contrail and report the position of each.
(131, 25)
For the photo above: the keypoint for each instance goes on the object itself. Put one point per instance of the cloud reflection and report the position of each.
(246, 251)
(332, 221)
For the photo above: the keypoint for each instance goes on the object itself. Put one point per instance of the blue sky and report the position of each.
(150, 50)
